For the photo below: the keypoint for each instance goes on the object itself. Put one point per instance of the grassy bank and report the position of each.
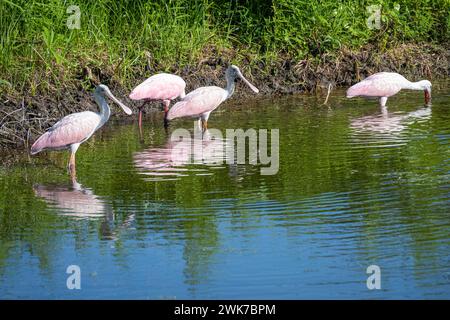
(284, 46)
(126, 39)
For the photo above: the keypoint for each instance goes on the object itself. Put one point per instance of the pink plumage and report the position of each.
(198, 102)
(382, 84)
(202, 101)
(72, 129)
(161, 86)
(386, 84)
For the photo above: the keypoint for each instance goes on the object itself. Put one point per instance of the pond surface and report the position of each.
(355, 187)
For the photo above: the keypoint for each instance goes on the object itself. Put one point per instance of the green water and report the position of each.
(354, 188)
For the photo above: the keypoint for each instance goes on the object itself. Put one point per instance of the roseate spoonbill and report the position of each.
(202, 101)
(162, 86)
(386, 84)
(76, 128)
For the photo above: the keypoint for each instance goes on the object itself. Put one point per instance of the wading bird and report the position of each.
(76, 128)
(162, 86)
(202, 101)
(386, 84)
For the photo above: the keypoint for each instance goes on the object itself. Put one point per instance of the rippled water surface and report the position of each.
(356, 186)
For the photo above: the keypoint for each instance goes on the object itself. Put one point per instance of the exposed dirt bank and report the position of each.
(24, 116)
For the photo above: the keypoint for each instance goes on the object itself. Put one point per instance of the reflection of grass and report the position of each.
(24, 218)
(122, 39)
(319, 173)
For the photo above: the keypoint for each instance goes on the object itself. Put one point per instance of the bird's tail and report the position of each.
(39, 144)
(350, 92)
(176, 111)
(134, 95)
(356, 90)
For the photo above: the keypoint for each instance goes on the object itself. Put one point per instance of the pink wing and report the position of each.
(161, 86)
(382, 84)
(197, 102)
(74, 128)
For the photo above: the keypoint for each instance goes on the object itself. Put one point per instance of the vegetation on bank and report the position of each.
(124, 40)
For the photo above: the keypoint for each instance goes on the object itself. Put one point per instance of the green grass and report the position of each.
(126, 39)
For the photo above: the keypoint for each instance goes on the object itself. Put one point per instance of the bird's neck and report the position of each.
(230, 87)
(414, 85)
(105, 111)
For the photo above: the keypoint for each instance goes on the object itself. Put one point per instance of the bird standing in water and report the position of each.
(202, 101)
(162, 86)
(386, 84)
(76, 128)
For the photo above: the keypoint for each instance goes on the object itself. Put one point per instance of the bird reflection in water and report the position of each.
(389, 123)
(181, 156)
(80, 204)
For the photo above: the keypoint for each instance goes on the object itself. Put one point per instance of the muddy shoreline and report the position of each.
(24, 116)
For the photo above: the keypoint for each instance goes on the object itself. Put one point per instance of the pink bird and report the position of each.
(162, 86)
(76, 128)
(202, 101)
(386, 84)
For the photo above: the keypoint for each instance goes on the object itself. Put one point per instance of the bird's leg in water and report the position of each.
(383, 101)
(204, 124)
(141, 135)
(73, 149)
(71, 166)
(141, 108)
(166, 110)
(74, 180)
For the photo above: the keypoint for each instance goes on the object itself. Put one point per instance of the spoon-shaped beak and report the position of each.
(427, 93)
(255, 89)
(124, 107)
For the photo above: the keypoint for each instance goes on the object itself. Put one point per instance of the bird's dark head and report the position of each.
(233, 72)
(102, 91)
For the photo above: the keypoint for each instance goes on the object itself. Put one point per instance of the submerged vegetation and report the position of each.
(121, 42)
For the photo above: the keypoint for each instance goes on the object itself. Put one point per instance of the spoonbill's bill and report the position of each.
(202, 101)
(386, 84)
(162, 86)
(76, 128)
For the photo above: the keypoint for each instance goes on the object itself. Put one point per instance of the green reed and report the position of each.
(128, 39)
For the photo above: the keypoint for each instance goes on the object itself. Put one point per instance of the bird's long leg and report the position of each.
(141, 108)
(74, 181)
(383, 101)
(204, 124)
(166, 110)
(72, 166)
(141, 135)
